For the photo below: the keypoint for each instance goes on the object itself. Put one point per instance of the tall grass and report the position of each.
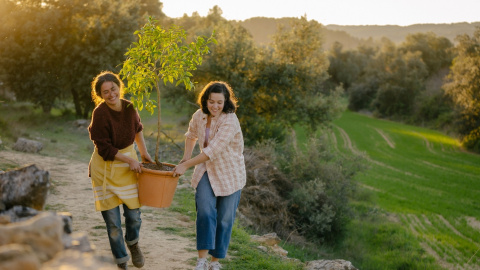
(56, 131)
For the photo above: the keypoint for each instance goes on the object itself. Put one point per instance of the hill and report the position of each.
(398, 33)
(351, 36)
(263, 28)
(426, 184)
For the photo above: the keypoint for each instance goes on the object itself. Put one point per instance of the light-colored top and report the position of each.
(226, 164)
(207, 134)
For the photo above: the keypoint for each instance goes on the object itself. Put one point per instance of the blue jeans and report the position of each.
(215, 217)
(115, 234)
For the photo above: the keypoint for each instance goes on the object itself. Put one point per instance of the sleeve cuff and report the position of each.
(190, 136)
(208, 151)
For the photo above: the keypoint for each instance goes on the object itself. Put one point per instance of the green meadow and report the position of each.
(426, 188)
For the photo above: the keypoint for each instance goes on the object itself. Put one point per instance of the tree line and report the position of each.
(426, 80)
(50, 50)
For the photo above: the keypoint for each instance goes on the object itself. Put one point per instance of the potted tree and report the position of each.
(160, 56)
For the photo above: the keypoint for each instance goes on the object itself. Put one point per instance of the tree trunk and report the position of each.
(76, 102)
(159, 110)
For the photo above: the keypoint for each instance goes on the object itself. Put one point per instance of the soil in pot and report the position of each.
(156, 167)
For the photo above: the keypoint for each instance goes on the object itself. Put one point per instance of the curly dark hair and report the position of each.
(230, 105)
(105, 76)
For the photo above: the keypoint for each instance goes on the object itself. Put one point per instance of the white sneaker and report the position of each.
(202, 264)
(214, 266)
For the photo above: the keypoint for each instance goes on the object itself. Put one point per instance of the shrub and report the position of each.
(263, 201)
(309, 193)
(472, 140)
(324, 183)
(361, 96)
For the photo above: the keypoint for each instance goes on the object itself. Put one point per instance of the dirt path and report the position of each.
(73, 193)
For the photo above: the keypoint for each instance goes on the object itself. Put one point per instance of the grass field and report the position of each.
(427, 187)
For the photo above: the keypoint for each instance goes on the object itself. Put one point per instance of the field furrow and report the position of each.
(424, 178)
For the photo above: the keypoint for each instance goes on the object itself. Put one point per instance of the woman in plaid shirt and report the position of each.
(219, 173)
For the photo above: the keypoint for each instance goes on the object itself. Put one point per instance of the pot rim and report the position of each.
(157, 172)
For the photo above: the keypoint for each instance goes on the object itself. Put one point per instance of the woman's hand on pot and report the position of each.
(179, 170)
(135, 166)
(147, 158)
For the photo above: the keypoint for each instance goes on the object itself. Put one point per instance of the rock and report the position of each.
(18, 213)
(29, 146)
(36, 240)
(67, 221)
(77, 241)
(4, 219)
(76, 260)
(81, 123)
(329, 265)
(27, 186)
(18, 257)
(279, 250)
(269, 239)
(43, 233)
(263, 248)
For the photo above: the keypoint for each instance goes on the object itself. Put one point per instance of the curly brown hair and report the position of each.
(230, 105)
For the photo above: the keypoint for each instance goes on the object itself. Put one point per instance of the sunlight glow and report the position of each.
(435, 138)
(342, 12)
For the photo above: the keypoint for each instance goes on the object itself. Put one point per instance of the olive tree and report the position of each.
(463, 86)
(160, 56)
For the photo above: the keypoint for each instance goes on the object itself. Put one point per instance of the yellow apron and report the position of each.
(113, 182)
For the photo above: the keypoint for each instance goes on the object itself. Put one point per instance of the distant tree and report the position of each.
(232, 58)
(346, 66)
(215, 16)
(404, 80)
(100, 36)
(435, 51)
(189, 22)
(278, 86)
(290, 79)
(152, 8)
(50, 50)
(31, 45)
(390, 82)
(463, 86)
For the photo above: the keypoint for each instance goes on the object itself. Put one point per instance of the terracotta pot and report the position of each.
(156, 188)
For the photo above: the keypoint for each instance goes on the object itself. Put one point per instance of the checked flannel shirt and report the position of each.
(226, 167)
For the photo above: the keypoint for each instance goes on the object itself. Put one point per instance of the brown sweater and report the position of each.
(111, 130)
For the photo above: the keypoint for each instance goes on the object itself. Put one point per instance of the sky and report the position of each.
(341, 12)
